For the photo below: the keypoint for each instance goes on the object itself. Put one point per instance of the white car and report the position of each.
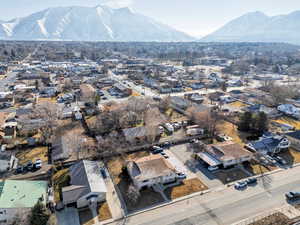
(38, 164)
(212, 168)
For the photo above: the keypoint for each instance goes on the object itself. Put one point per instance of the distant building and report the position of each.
(294, 138)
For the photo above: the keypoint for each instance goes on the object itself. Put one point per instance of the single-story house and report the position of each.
(289, 110)
(269, 144)
(225, 154)
(87, 186)
(151, 170)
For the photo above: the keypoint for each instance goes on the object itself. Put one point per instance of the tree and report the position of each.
(133, 194)
(39, 215)
(48, 112)
(245, 122)
(261, 122)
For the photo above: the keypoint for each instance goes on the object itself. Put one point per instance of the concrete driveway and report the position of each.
(68, 216)
(184, 154)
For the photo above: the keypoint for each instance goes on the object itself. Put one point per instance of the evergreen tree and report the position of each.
(245, 122)
(39, 215)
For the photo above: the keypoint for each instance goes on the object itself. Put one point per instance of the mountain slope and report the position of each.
(257, 27)
(99, 23)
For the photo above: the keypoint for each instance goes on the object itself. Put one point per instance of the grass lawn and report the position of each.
(291, 156)
(186, 188)
(33, 154)
(135, 94)
(230, 176)
(86, 217)
(275, 219)
(232, 131)
(52, 100)
(289, 121)
(238, 104)
(60, 179)
(257, 169)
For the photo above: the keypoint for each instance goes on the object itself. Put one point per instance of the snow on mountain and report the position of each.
(100, 23)
(258, 27)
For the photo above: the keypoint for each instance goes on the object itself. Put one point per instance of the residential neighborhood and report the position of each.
(123, 139)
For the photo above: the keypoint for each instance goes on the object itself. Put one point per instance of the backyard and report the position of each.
(230, 175)
(32, 154)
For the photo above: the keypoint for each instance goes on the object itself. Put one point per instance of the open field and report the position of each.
(33, 154)
(186, 188)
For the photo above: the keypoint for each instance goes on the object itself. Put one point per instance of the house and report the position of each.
(7, 161)
(180, 104)
(151, 170)
(135, 135)
(294, 138)
(19, 196)
(225, 154)
(269, 144)
(289, 110)
(87, 186)
(257, 108)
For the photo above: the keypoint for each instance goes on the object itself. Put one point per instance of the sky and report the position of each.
(195, 17)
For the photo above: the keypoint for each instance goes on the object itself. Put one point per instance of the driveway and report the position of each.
(68, 216)
(184, 154)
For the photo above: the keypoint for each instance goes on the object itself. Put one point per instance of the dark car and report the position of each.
(103, 173)
(20, 169)
(29, 166)
(251, 181)
(292, 196)
(157, 150)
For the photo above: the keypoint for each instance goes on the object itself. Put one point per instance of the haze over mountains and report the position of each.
(258, 27)
(100, 23)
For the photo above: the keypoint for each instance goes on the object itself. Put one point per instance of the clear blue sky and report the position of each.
(196, 17)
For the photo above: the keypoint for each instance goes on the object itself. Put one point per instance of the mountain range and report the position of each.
(100, 23)
(258, 27)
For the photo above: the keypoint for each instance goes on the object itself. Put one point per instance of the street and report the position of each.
(224, 206)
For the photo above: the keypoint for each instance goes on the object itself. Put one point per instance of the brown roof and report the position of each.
(150, 167)
(228, 151)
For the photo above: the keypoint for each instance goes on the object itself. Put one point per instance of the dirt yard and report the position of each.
(255, 168)
(230, 176)
(291, 156)
(290, 121)
(238, 104)
(86, 217)
(33, 154)
(186, 188)
(275, 219)
(60, 179)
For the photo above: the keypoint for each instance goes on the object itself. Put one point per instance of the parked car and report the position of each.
(240, 185)
(20, 169)
(176, 126)
(292, 196)
(169, 127)
(181, 176)
(38, 164)
(103, 173)
(280, 160)
(29, 166)
(251, 181)
(156, 150)
(212, 168)
(164, 155)
(166, 144)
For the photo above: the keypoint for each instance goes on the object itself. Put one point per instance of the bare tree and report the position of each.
(48, 112)
(133, 194)
(76, 142)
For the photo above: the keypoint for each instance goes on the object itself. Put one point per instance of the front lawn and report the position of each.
(230, 175)
(186, 188)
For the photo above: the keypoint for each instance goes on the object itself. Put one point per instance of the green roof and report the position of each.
(21, 194)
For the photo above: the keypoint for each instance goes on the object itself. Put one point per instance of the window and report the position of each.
(145, 181)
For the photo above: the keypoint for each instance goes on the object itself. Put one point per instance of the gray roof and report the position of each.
(85, 178)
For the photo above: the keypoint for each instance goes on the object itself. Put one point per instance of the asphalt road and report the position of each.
(224, 206)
